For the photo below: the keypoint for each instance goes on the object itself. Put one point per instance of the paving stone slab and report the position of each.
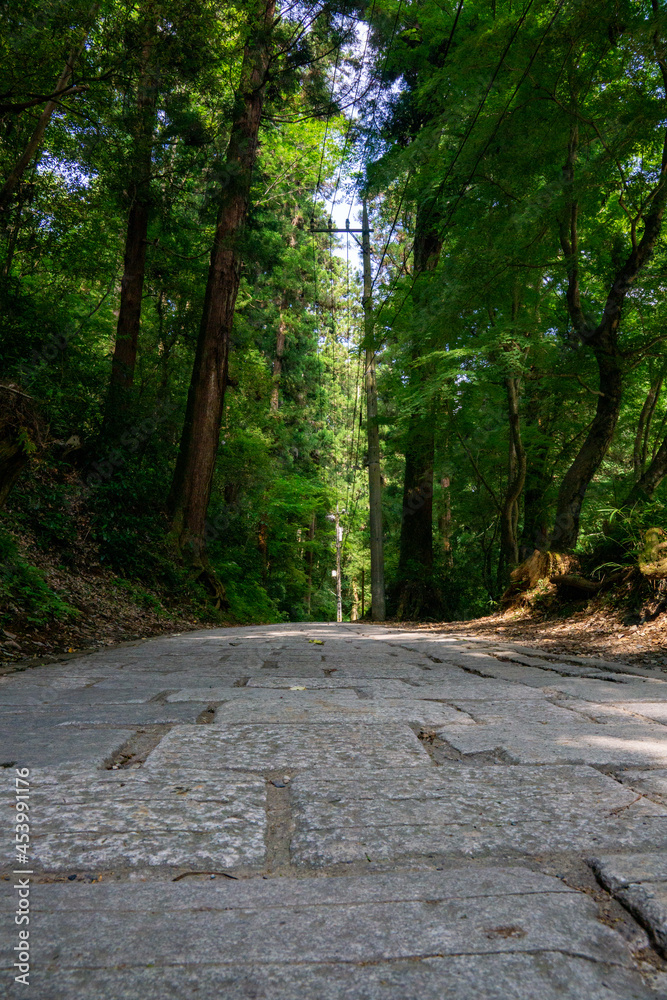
(534, 676)
(648, 903)
(315, 931)
(258, 893)
(639, 882)
(472, 688)
(112, 694)
(650, 783)
(656, 710)
(147, 713)
(341, 695)
(620, 870)
(49, 744)
(100, 820)
(649, 690)
(267, 747)
(34, 695)
(391, 687)
(211, 801)
(53, 678)
(458, 686)
(485, 665)
(625, 743)
(534, 712)
(313, 707)
(467, 811)
(507, 934)
(512, 655)
(229, 847)
(544, 975)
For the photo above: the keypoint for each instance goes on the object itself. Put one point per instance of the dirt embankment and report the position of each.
(594, 630)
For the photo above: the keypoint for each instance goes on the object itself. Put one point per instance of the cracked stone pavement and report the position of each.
(405, 814)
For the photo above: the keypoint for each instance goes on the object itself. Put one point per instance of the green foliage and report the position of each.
(620, 533)
(463, 132)
(23, 589)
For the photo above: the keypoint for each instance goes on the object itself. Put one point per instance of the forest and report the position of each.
(319, 311)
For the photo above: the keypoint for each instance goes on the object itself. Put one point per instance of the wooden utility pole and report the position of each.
(339, 580)
(373, 431)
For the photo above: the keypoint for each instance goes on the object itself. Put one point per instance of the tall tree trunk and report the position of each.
(310, 558)
(263, 547)
(516, 477)
(191, 485)
(278, 359)
(354, 611)
(650, 479)
(37, 136)
(415, 564)
(589, 458)
(445, 522)
(535, 527)
(124, 361)
(603, 340)
(644, 427)
(339, 569)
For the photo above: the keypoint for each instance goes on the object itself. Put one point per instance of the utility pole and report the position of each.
(339, 582)
(373, 431)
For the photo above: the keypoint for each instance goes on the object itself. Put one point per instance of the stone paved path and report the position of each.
(406, 815)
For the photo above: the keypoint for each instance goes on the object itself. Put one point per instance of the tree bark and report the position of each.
(445, 522)
(354, 611)
(263, 547)
(310, 558)
(509, 514)
(603, 340)
(644, 427)
(535, 527)
(278, 360)
(415, 564)
(191, 485)
(416, 551)
(648, 482)
(119, 400)
(37, 136)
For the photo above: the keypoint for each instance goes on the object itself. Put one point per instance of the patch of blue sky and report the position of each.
(69, 173)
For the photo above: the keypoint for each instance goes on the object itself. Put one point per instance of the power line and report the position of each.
(384, 66)
(407, 181)
(356, 94)
(466, 137)
(315, 193)
(328, 118)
